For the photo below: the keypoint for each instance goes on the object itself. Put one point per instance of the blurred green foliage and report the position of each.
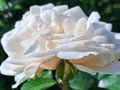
(12, 10)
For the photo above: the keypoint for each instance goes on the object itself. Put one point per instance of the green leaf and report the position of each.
(3, 5)
(65, 72)
(81, 81)
(111, 82)
(38, 84)
(101, 76)
(46, 74)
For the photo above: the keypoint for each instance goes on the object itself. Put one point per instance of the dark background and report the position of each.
(12, 10)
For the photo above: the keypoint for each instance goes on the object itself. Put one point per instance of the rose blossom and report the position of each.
(46, 34)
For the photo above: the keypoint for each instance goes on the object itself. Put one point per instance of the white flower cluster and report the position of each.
(46, 34)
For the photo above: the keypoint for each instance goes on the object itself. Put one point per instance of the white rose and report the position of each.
(49, 33)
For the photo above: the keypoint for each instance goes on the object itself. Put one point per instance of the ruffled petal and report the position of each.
(42, 53)
(74, 55)
(117, 43)
(61, 8)
(94, 16)
(11, 69)
(80, 45)
(46, 7)
(29, 72)
(117, 35)
(110, 68)
(57, 21)
(100, 24)
(103, 32)
(98, 60)
(81, 26)
(34, 46)
(85, 69)
(48, 64)
(75, 12)
(19, 78)
(10, 42)
(69, 25)
(25, 33)
(46, 16)
(35, 10)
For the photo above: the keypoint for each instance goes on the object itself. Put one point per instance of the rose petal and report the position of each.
(74, 54)
(57, 20)
(42, 53)
(60, 8)
(69, 25)
(25, 15)
(100, 24)
(85, 69)
(33, 23)
(10, 42)
(8, 68)
(48, 64)
(46, 16)
(20, 78)
(81, 26)
(61, 41)
(35, 10)
(21, 61)
(25, 33)
(117, 35)
(117, 43)
(94, 16)
(30, 70)
(109, 35)
(80, 45)
(111, 68)
(99, 60)
(100, 39)
(75, 12)
(46, 7)
(34, 46)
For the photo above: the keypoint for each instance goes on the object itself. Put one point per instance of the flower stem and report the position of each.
(65, 86)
